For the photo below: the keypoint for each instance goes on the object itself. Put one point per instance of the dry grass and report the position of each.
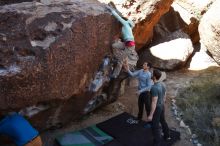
(200, 105)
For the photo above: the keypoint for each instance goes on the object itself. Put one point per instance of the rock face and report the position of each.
(145, 14)
(196, 7)
(50, 52)
(169, 53)
(168, 23)
(177, 18)
(191, 12)
(209, 30)
(5, 2)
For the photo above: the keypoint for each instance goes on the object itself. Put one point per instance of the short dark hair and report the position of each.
(149, 65)
(157, 74)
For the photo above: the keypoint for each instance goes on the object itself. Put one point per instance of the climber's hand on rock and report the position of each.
(126, 67)
(109, 8)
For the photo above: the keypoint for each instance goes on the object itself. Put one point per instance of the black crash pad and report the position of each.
(128, 133)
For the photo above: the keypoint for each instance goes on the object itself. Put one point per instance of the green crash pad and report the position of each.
(90, 136)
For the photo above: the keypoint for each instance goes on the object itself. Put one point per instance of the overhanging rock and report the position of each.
(145, 14)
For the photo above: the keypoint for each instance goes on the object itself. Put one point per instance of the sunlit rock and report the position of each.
(144, 13)
(209, 30)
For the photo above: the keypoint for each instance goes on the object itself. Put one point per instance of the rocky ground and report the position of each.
(128, 103)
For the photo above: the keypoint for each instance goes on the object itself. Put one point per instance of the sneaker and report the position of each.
(147, 126)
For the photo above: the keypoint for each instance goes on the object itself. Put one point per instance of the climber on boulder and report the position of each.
(124, 48)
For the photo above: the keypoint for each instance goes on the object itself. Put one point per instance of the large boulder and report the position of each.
(168, 23)
(145, 14)
(50, 52)
(169, 53)
(183, 19)
(209, 30)
(185, 15)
